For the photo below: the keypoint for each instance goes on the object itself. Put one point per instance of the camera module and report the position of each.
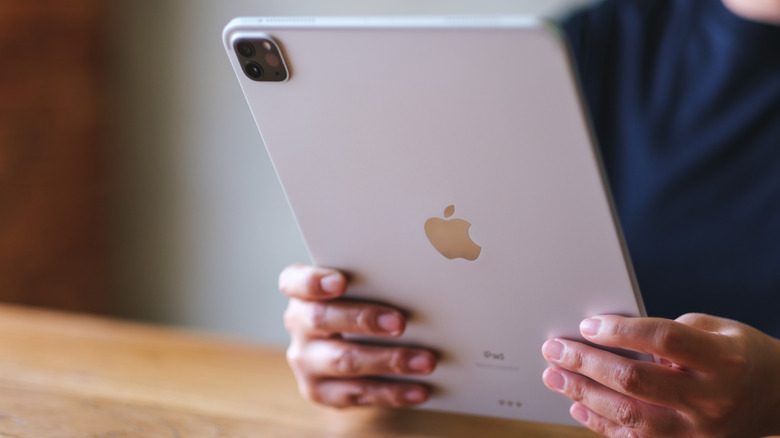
(261, 59)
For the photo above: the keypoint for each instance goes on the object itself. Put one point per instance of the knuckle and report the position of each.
(628, 415)
(317, 318)
(601, 427)
(688, 318)
(607, 428)
(336, 394)
(669, 339)
(365, 318)
(575, 391)
(347, 363)
(397, 362)
(618, 330)
(576, 359)
(311, 285)
(311, 282)
(628, 379)
(397, 396)
(692, 319)
(360, 394)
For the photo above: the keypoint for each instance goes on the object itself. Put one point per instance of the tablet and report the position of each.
(447, 165)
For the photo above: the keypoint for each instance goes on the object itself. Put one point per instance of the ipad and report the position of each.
(447, 165)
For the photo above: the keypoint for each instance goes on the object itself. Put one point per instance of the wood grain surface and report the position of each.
(64, 375)
(52, 157)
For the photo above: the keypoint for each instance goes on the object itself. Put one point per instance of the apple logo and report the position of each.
(451, 237)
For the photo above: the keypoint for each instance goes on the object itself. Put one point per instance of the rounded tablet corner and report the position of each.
(230, 29)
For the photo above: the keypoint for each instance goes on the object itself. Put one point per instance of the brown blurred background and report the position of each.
(53, 185)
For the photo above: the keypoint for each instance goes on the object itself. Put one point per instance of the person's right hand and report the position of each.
(333, 371)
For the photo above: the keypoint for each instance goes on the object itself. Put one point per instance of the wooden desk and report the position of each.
(68, 375)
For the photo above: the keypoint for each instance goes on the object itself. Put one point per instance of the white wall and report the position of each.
(202, 225)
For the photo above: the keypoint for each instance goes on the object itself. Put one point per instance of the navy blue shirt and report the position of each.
(685, 101)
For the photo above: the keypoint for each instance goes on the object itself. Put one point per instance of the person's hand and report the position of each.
(333, 371)
(716, 378)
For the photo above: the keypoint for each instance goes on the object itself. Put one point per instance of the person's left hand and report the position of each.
(716, 377)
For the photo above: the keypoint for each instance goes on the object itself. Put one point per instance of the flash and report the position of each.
(267, 46)
(272, 60)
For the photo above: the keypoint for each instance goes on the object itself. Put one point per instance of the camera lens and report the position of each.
(245, 48)
(253, 70)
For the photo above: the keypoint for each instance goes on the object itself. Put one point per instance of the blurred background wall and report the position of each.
(154, 198)
(53, 175)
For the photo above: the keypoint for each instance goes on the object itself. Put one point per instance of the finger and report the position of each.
(647, 381)
(599, 424)
(679, 343)
(626, 413)
(342, 359)
(367, 392)
(322, 319)
(708, 323)
(311, 282)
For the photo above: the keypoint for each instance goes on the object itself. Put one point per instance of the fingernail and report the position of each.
(332, 284)
(555, 380)
(420, 362)
(389, 322)
(415, 395)
(580, 413)
(590, 327)
(553, 349)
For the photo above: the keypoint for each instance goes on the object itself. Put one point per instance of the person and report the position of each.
(685, 102)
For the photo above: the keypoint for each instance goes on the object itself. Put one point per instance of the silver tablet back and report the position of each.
(448, 166)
